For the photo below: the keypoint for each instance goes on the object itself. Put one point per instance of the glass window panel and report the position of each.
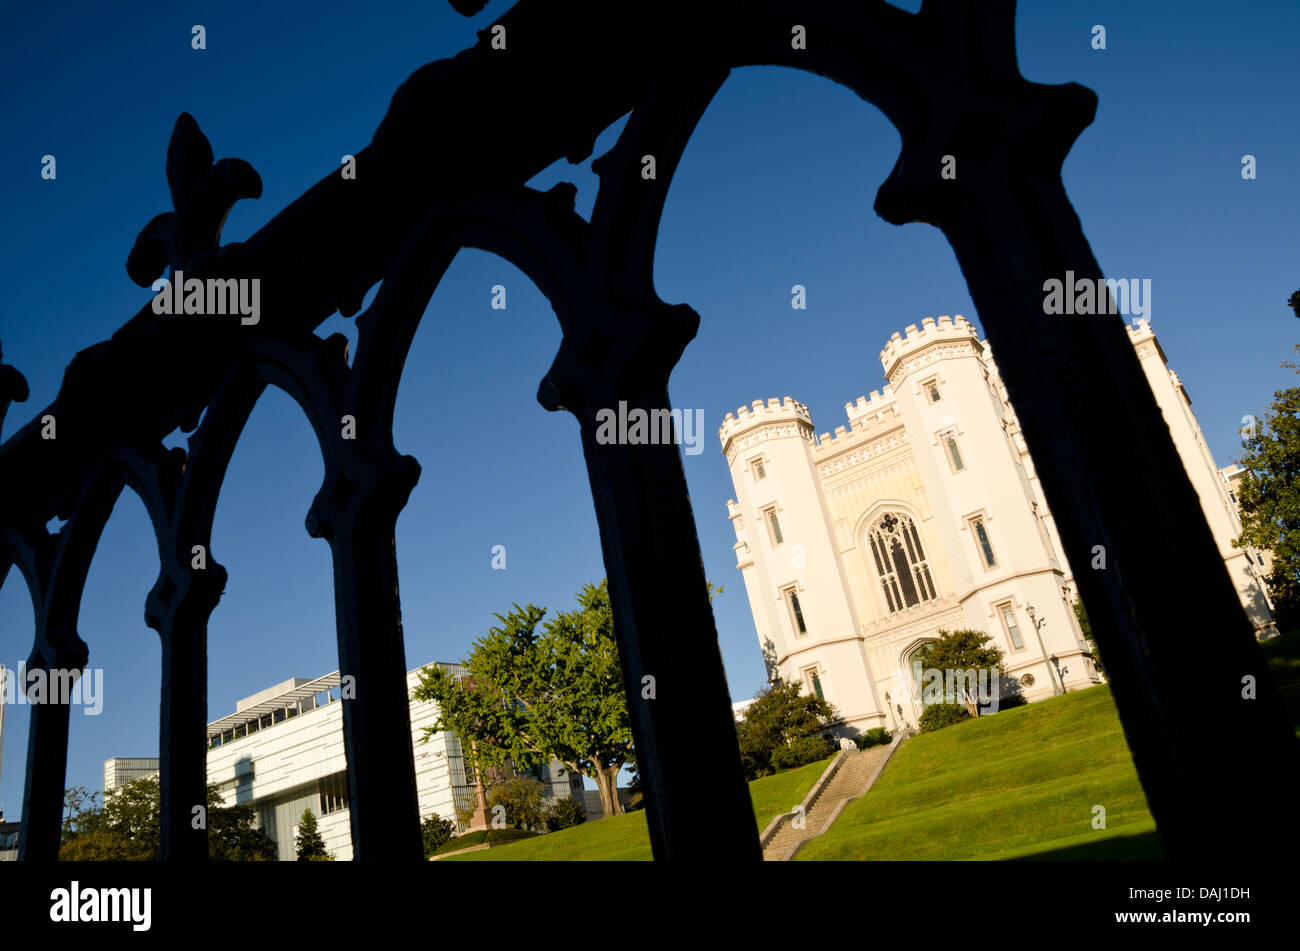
(955, 454)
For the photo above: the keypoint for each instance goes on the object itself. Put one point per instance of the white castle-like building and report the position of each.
(925, 514)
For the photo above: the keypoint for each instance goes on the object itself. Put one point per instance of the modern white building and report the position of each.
(925, 514)
(281, 752)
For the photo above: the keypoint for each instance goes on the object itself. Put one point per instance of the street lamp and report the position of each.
(1038, 626)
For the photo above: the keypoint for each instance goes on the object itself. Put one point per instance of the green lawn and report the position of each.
(1019, 784)
(625, 838)
(490, 836)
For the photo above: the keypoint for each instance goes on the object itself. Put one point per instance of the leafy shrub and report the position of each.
(781, 716)
(565, 813)
(877, 736)
(802, 751)
(939, 715)
(435, 832)
(522, 798)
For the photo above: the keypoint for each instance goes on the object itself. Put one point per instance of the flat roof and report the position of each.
(281, 700)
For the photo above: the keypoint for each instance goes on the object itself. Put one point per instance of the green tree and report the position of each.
(233, 835)
(529, 694)
(520, 798)
(962, 650)
(309, 844)
(125, 828)
(775, 729)
(1082, 616)
(82, 814)
(1269, 496)
(132, 809)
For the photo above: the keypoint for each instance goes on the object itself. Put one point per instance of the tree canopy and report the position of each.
(783, 728)
(533, 691)
(125, 828)
(309, 843)
(1269, 496)
(962, 650)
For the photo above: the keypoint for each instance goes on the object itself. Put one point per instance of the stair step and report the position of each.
(847, 783)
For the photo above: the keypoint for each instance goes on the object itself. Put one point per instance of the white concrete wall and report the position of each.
(806, 558)
(288, 761)
(1220, 512)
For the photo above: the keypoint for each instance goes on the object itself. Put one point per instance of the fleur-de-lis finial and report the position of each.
(203, 193)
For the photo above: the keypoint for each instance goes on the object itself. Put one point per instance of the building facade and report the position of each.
(281, 752)
(925, 514)
(9, 840)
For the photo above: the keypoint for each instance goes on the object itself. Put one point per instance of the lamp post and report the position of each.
(1038, 623)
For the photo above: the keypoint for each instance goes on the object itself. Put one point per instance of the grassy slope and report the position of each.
(1020, 783)
(625, 838)
(490, 836)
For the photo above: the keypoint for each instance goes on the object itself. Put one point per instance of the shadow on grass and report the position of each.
(1143, 847)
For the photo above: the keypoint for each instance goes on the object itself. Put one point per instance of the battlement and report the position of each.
(1142, 328)
(1141, 333)
(758, 413)
(932, 330)
(868, 418)
(876, 407)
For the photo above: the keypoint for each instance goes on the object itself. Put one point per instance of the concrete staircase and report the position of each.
(848, 776)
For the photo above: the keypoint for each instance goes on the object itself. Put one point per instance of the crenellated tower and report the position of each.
(787, 553)
(1007, 575)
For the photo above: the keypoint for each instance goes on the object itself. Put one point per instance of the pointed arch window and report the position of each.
(900, 561)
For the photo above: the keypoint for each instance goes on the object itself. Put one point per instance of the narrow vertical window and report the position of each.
(954, 454)
(1009, 621)
(759, 472)
(982, 540)
(815, 684)
(774, 526)
(796, 612)
(932, 390)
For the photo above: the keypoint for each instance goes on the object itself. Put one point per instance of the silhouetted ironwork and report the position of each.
(446, 170)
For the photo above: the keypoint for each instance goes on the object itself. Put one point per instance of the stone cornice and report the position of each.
(752, 437)
(852, 456)
(932, 354)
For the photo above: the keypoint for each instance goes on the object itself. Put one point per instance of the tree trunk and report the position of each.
(607, 783)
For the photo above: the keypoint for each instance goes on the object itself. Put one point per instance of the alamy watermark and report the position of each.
(639, 427)
(1087, 296)
(973, 687)
(212, 297)
(84, 688)
(78, 904)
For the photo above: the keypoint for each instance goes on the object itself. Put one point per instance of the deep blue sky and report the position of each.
(775, 189)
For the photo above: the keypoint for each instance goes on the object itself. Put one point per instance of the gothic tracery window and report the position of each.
(900, 561)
